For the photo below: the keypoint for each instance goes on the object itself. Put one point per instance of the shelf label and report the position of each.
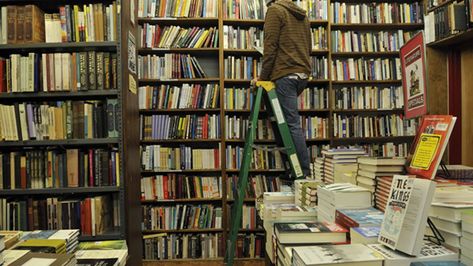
(278, 111)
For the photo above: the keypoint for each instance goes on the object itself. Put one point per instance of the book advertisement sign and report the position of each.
(395, 210)
(413, 77)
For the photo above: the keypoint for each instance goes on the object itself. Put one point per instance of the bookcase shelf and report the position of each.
(186, 171)
(462, 38)
(365, 54)
(243, 22)
(246, 200)
(444, 3)
(161, 141)
(177, 81)
(318, 81)
(184, 110)
(106, 236)
(395, 139)
(257, 230)
(365, 82)
(162, 201)
(60, 95)
(180, 21)
(199, 51)
(377, 26)
(256, 141)
(197, 231)
(377, 111)
(66, 142)
(58, 191)
(247, 112)
(257, 170)
(58, 47)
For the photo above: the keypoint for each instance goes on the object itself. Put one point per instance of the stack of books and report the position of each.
(112, 252)
(11, 255)
(364, 224)
(353, 254)
(55, 246)
(340, 196)
(306, 192)
(466, 241)
(340, 164)
(371, 168)
(382, 189)
(45, 259)
(71, 236)
(429, 252)
(318, 168)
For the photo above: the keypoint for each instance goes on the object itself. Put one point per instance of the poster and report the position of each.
(413, 77)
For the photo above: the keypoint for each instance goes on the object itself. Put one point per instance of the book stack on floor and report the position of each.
(290, 235)
(372, 168)
(10, 238)
(50, 259)
(340, 164)
(466, 241)
(71, 237)
(11, 255)
(112, 252)
(381, 195)
(461, 173)
(340, 196)
(306, 192)
(429, 252)
(364, 224)
(55, 246)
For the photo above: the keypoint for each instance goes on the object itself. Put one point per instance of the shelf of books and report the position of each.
(63, 125)
(195, 65)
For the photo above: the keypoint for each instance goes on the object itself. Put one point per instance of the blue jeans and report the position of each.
(287, 90)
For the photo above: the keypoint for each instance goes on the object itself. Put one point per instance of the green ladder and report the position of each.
(283, 137)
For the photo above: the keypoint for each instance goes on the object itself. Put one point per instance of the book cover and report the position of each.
(336, 254)
(359, 217)
(429, 145)
(406, 212)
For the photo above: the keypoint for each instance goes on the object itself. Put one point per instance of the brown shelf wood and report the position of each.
(396, 110)
(193, 81)
(368, 82)
(377, 26)
(244, 22)
(184, 110)
(157, 201)
(447, 2)
(161, 141)
(396, 139)
(366, 54)
(178, 50)
(189, 231)
(186, 171)
(459, 39)
(180, 21)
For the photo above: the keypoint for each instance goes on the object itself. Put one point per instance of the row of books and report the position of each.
(157, 157)
(177, 8)
(175, 186)
(379, 41)
(371, 126)
(377, 12)
(369, 98)
(169, 66)
(244, 9)
(236, 127)
(243, 67)
(181, 217)
(249, 217)
(59, 120)
(388, 149)
(316, 9)
(86, 23)
(183, 246)
(446, 20)
(242, 38)
(319, 67)
(156, 36)
(314, 127)
(319, 38)
(257, 185)
(58, 72)
(366, 69)
(193, 96)
(242, 98)
(261, 159)
(48, 168)
(153, 127)
(92, 215)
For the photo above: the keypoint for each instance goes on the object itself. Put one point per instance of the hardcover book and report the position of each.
(297, 233)
(353, 254)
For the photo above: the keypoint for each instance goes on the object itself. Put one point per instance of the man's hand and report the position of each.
(253, 82)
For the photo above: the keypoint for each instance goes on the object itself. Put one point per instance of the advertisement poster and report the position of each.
(413, 77)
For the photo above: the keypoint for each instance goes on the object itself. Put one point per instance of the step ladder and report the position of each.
(283, 138)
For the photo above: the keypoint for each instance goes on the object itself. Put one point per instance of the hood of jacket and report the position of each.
(294, 9)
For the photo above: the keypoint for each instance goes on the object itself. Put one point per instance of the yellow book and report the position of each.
(86, 16)
(117, 166)
(43, 245)
(201, 39)
(76, 22)
(176, 8)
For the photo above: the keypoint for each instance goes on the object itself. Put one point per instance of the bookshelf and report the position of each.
(118, 148)
(233, 96)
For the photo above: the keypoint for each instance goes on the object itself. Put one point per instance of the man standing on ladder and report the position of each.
(286, 62)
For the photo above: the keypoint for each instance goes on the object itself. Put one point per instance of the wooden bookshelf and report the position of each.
(172, 231)
(58, 191)
(163, 141)
(58, 95)
(377, 26)
(365, 54)
(58, 47)
(462, 38)
(66, 142)
(173, 201)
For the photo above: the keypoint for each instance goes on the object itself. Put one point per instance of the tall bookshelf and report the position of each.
(233, 86)
(121, 143)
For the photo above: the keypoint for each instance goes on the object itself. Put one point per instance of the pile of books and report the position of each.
(340, 164)
(318, 168)
(370, 169)
(340, 196)
(466, 241)
(364, 224)
(306, 192)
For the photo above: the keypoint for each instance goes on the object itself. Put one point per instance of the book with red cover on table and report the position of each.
(429, 145)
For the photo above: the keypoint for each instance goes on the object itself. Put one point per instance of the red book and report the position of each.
(429, 145)
(3, 80)
(82, 218)
(91, 168)
(165, 187)
(88, 216)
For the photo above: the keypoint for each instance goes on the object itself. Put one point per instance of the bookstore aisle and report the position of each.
(123, 122)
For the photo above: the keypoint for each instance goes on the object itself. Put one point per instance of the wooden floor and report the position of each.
(214, 262)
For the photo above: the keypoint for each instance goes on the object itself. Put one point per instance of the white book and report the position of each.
(353, 254)
(23, 121)
(4, 25)
(119, 254)
(429, 252)
(406, 214)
